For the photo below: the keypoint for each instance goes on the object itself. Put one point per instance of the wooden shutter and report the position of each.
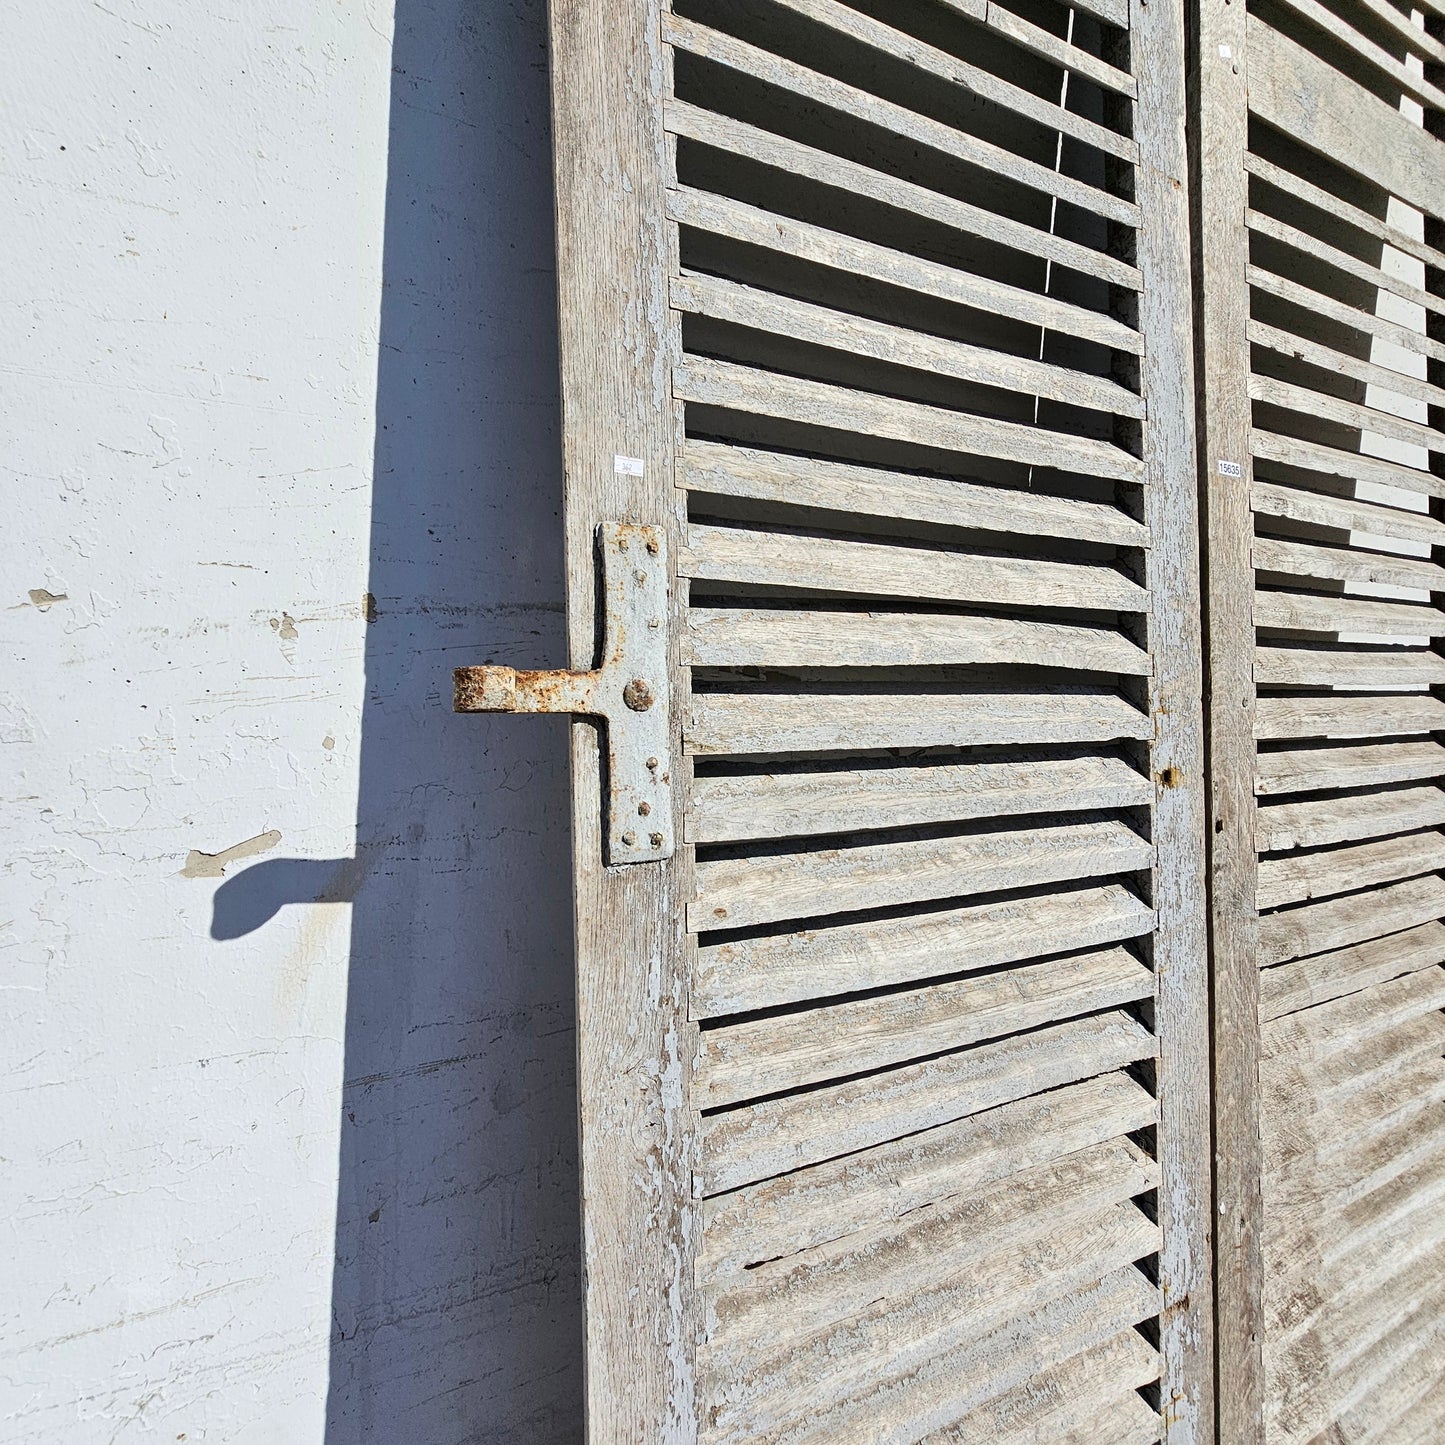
(892, 1074)
(1321, 192)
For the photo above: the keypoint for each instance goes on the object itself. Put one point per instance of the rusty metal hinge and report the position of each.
(628, 690)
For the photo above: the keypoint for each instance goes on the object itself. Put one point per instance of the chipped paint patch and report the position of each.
(213, 865)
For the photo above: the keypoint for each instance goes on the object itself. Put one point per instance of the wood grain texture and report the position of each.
(761, 972)
(1223, 83)
(634, 1050)
(735, 471)
(1186, 1328)
(742, 807)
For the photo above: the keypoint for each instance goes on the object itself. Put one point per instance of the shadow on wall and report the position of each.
(455, 1306)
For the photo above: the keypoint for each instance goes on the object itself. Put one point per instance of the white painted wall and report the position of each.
(285, 1154)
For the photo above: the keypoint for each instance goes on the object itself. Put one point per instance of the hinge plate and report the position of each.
(628, 689)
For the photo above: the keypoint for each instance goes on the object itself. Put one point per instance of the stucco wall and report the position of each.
(286, 1025)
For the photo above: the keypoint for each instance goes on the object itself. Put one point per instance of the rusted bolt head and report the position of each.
(643, 809)
(652, 763)
(656, 839)
(629, 838)
(637, 695)
(652, 546)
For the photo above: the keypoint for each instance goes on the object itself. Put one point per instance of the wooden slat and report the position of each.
(779, 559)
(1340, 922)
(815, 403)
(794, 1050)
(1348, 717)
(1313, 612)
(1327, 358)
(970, 80)
(1346, 564)
(1328, 976)
(1043, 43)
(1341, 870)
(912, 1406)
(851, 255)
(895, 119)
(1345, 514)
(1303, 96)
(842, 722)
(764, 147)
(1417, 41)
(1399, 73)
(1348, 1023)
(799, 1211)
(768, 888)
(1312, 769)
(1352, 466)
(1342, 210)
(1320, 251)
(993, 1083)
(752, 973)
(780, 805)
(1341, 820)
(916, 1321)
(1348, 667)
(897, 345)
(1318, 302)
(774, 637)
(1323, 406)
(837, 487)
(810, 1291)
(1090, 1399)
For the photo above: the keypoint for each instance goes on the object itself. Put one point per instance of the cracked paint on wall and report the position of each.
(284, 947)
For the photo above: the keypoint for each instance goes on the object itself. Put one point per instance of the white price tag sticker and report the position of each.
(1230, 469)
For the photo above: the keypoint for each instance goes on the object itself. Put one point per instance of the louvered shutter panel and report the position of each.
(1322, 189)
(892, 1076)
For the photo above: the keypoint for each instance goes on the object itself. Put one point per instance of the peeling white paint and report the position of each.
(285, 987)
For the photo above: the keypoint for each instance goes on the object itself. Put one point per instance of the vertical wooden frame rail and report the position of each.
(893, 1079)
(1187, 1330)
(1219, 115)
(1321, 181)
(618, 344)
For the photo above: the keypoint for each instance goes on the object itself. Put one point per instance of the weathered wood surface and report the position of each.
(793, 1050)
(786, 560)
(876, 492)
(896, 345)
(1223, 78)
(1332, 975)
(725, 216)
(1335, 717)
(1315, 822)
(748, 806)
(994, 1082)
(818, 961)
(774, 722)
(738, 137)
(820, 404)
(633, 1040)
(778, 638)
(770, 888)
